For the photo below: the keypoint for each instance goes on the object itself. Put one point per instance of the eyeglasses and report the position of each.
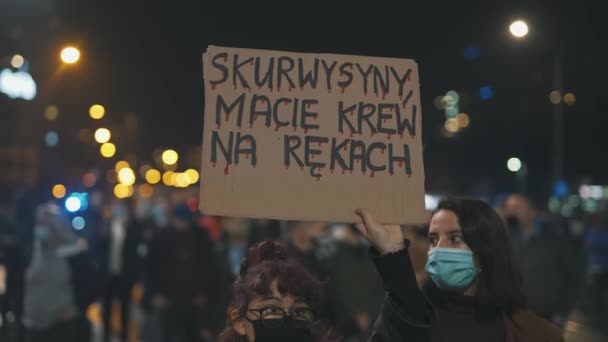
(275, 317)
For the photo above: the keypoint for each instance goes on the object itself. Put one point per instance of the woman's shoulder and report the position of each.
(528, 326)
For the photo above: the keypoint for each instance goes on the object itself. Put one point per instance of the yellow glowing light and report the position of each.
(51, 113)
(59, 191)
(555, 97)
(17, 61)
(451, 125)
(463, 120)
(569, 99)
(123, 191)
(126, 176)
(145, 190)
(519, 29)
(97, 111)
(168, 178)
(121, 164)
(108, 150)
(170, 157)
(70, 55)
(181, 180)
(153, 176)
(102, 135)
(193, 175)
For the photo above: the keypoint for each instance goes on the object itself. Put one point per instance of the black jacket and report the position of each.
(406, 314)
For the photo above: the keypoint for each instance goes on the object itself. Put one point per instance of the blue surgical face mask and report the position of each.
(451, 268)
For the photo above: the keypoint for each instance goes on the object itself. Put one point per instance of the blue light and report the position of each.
(84, 200)
(78, 223)
(486, 92)
(51, 139)
(73, 203)
(471, 53)
(560, 190)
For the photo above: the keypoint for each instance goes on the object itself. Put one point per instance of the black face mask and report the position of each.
(279, 330)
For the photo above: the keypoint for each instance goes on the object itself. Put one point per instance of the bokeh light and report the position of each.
(108, 150)
(519, 29)
(126, 176)
(51, 113)
(70, 55)
(102, 135)
(486, 93)
(51, 139)
(555, 97)
(170, 157)
(569, 99)
(123, 191)
(514, 164)
(78, 223)
(145, 190)
(168, 178)
(193, 176)
(97, 111)
(181, 180)
(463, 120)
(59, 191)
(73, 203)
(17, 61)
(121, 164)
(153, 176)
(451, 125)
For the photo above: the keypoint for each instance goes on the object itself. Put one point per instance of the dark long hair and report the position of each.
(266, 262)
(499, 284)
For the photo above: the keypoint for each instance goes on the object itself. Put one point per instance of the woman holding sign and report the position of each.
(276, 299)
(475, 288)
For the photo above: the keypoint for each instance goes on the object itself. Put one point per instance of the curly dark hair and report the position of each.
(264, 263)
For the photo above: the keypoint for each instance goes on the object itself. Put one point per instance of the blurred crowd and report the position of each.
(158, 270)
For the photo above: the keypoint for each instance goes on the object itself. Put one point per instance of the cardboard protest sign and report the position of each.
(302, 136)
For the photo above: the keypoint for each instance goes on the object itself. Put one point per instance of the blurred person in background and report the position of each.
(596, 242)
(302, 243)
(349, 259)
(61, 281)
(548, 267)
(179, 278)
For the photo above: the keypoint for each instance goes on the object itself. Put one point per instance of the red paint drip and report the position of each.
(365, 93)
(251, 62)
(329, 90)
(383, 95)
(294, 128)
(371, 134)
(388, 136)
(352, 134)
(403, 105)
(342, 90)
(372, 174)
(411, 136)
(301, 88)
(332, 171)
(277, 128)
(401, 163)
(409, 77)
(227, 169)
(382, 151)
(357, 161)
(318, 178)
(306, 131)
(308, 106)
(249, 89)
(225, 58)
(345, 147)
(213, 164)
(401, 135)
(213, 87)
(287, 167)
(290, 87)
(343, 171)
(320, 144)
(341, 74)
(218, 126)
(227, 117)
(247, 155)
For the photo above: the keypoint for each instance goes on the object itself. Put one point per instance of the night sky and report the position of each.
(143, 58)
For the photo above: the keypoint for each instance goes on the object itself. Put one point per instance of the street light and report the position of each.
(70, 55)
(519, 29)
